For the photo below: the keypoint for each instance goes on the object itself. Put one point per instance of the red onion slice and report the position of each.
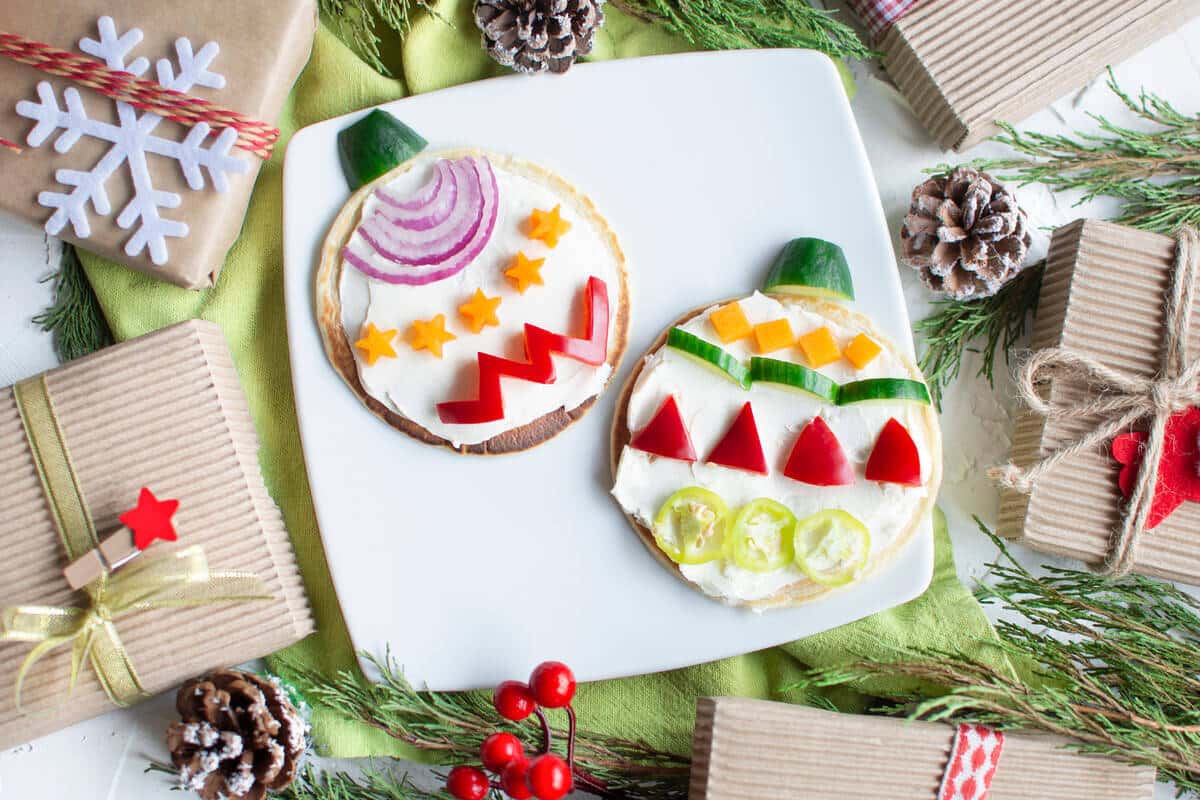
(429, 215)
(456, 258)
(421, 197)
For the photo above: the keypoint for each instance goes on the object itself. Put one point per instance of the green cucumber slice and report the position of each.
(375, 144)
(883, 389)
(709, 355)
(811, 267)
(796, 376)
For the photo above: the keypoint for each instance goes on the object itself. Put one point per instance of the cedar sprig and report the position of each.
(979, 326)
(740, 24)
(454, 724)
(74, 318)
(1155, 174)
(1109, 664)
(358, 23)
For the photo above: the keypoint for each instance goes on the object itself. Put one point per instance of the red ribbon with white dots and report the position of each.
(972, 764)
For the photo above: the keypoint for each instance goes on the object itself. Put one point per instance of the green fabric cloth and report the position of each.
(248, 304)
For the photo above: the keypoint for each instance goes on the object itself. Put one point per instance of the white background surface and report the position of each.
(104, 759)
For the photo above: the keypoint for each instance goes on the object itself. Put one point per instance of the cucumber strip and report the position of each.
(710, 355)
(375, 144)
(796, 376)
(811, 267)
(883, 389)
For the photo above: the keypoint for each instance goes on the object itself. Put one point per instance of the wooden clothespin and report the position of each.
(149, 521)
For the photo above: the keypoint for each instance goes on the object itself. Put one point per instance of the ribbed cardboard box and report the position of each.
(753, 749)
(262, 48)
(166, 412)
(963, 64)
(1103, 297)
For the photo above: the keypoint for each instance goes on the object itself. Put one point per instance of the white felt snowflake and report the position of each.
(131, 141)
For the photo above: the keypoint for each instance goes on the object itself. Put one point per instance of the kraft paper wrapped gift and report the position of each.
(164, 412)
(1104, 297)
(257, 49)
(753, 749)
(964, 64)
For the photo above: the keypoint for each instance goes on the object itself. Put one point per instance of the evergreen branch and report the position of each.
(995, 321)
(453, 725)
(74, 319)
(1154, 173)
(358, 23)
(1113, 667)
(740, 24)
(370, 785)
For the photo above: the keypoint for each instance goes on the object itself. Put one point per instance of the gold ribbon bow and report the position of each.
(1120, 400)
(175, 580)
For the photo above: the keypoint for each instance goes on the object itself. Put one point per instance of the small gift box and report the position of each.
(77, 446)
(751, 749)
(963, 64)
(1105, 462)
(116, 177)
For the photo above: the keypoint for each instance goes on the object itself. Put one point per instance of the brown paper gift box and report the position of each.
(164, 411)
(963, 64)
(263, 46)
(1103, 296)
(753, 749)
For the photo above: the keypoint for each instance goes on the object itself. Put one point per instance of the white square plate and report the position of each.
(474, 569)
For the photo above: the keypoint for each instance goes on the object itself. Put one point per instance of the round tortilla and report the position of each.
(801, 591)
(340, 348)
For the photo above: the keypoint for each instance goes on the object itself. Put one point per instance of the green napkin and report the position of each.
(248, 304)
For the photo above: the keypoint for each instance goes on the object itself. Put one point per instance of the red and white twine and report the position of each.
(253, 136)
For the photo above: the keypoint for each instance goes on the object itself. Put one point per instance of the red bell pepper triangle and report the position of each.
(740, 447)
(1178, 477)
(537, 367)
(895, 458)
(150, 520)
(665, 435)
(817, 457)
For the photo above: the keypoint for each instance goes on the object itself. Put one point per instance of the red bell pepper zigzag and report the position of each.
(537, 367)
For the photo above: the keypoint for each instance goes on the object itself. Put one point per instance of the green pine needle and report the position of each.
(1154, 173)
(370, 785)
(358, 23)
(739, 24)
(74, 319)
(1113, 665)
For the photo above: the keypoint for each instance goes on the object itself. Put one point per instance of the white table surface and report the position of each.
(105, 758)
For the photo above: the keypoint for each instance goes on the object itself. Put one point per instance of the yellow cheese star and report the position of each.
(547, 226)
(480, 311)
(525, 271)
(376, 344)
(430, 335)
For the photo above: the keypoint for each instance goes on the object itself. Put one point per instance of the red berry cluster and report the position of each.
(546, 776)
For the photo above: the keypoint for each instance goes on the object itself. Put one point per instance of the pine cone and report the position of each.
(239, 737)
(538, 35)
(965, 234)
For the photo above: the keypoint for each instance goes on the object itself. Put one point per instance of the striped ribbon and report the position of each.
(254, 137)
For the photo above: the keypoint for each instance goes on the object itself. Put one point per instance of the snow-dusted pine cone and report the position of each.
(965, 234)
(538, 35)
(240, 736)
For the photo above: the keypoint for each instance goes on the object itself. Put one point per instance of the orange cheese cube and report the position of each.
(819, 347)
(774, 335)
(861, 350)
(730, 323)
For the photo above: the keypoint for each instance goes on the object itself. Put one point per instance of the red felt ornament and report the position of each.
(740, 447)
(895, 458)
(666, 435)
(817, 457)
(150, 520)
(1178, 477)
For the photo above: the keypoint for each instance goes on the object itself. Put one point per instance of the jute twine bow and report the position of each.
(1120, 400)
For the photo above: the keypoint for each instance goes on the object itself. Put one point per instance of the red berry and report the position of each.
(513, 700)
(499, 750)
(549, 777)
(467, 783)
(513, 780)
(552, 684)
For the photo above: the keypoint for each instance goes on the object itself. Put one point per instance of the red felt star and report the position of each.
(1178, 470)
(150, 520)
